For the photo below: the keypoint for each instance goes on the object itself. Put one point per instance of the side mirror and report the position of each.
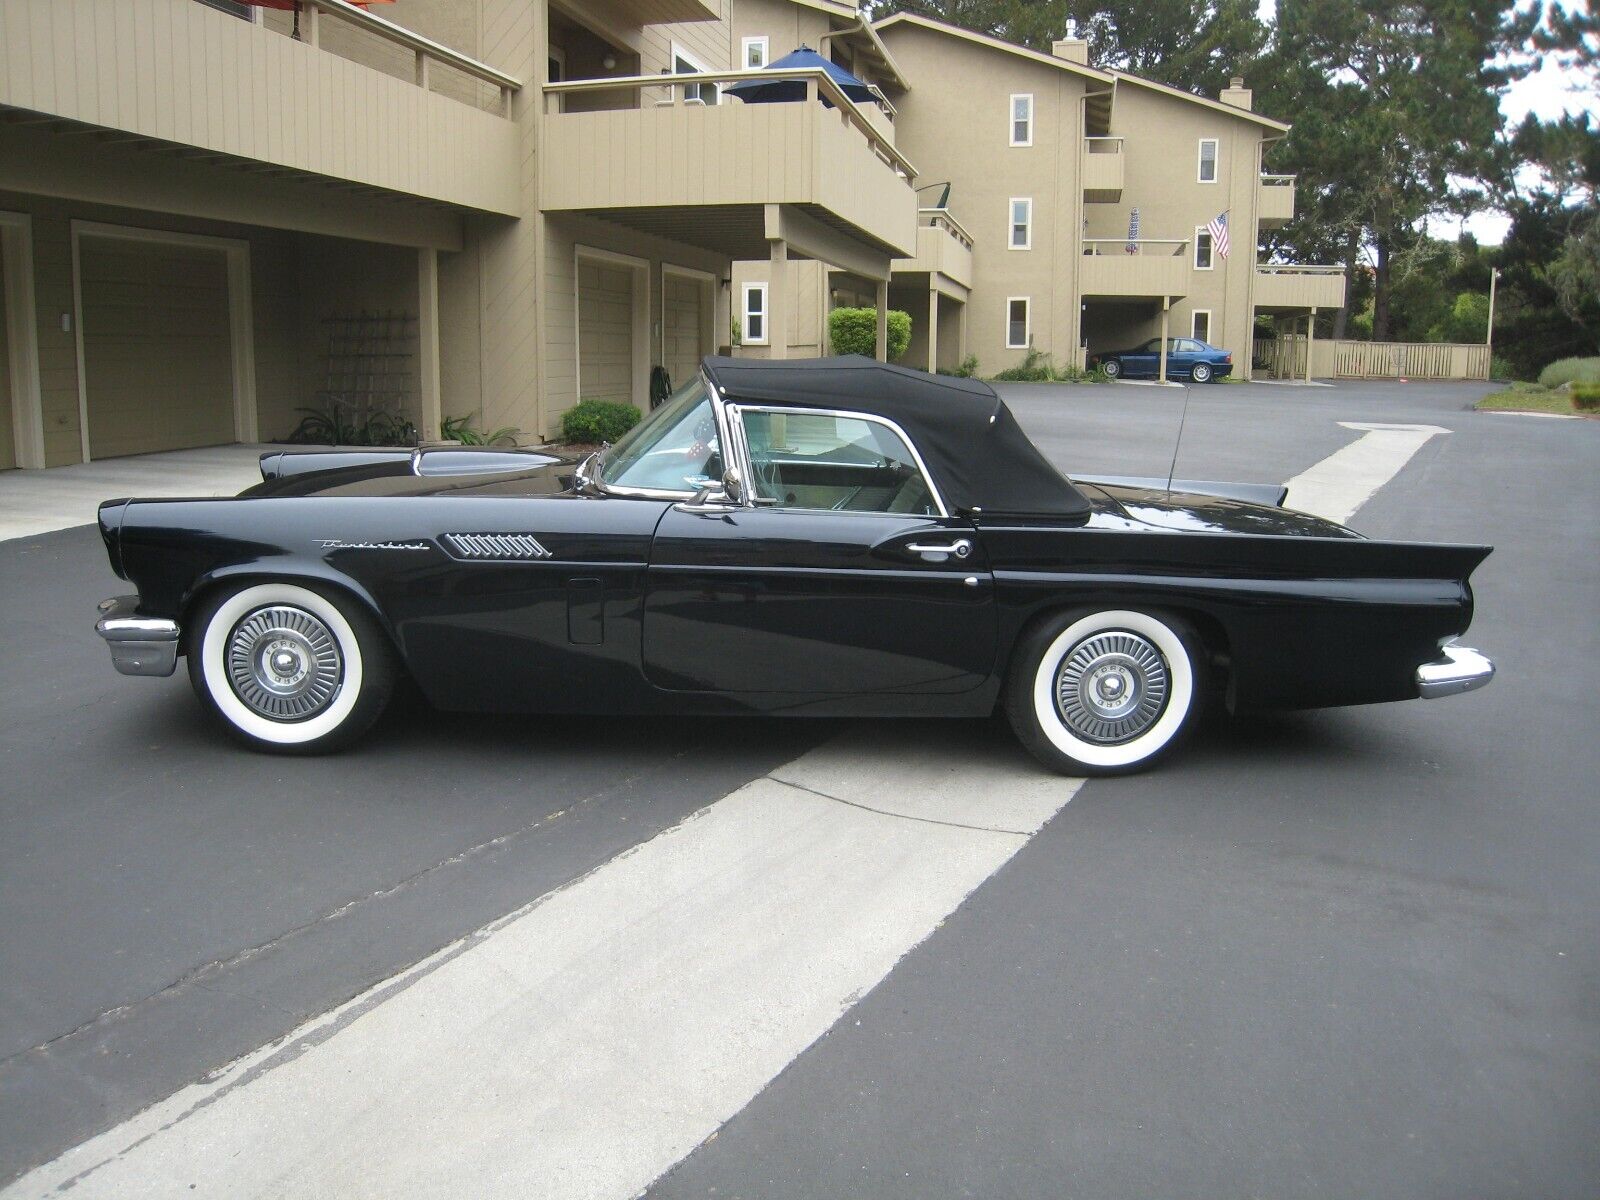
(733, 486)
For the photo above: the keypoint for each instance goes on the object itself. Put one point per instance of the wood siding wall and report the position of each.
(182, 73)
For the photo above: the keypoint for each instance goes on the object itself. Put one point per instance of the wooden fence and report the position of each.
(1285, 358)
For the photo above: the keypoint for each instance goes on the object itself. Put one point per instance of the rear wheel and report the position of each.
(289, 670)
(1201, 373)
(1112, 368)
(1104, 692)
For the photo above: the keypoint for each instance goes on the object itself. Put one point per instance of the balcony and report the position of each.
(944, 248)
(1299, 286)
(1102, 170)
(1155, 267)
(1275, 201)
(180, 75)
(706, 174)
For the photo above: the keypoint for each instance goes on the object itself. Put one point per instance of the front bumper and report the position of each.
(139, 645)
(1457, 669)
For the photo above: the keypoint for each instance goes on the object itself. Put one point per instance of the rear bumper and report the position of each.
(1457, 669)
(139, 645)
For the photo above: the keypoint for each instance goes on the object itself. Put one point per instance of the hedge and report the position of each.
(598, 421)
(855, 331)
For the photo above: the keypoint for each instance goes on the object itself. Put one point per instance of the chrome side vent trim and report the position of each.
(495, 547)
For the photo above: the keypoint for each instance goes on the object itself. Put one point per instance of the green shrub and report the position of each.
(855, 331)
(1502, 369)
(460, 429)
(967, 369)
(1570, 370)
(598, 421)
(1586, 396)
(1035, 367)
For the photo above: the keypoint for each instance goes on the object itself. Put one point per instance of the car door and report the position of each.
(1146, 360)
(847, 576)
(1184, 356)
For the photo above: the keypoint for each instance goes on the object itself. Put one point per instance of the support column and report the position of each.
(933, 330)
(778, 300)
(428, 342)
(1166, 317)
(883, 321)
(1311, 340)
(961, 330)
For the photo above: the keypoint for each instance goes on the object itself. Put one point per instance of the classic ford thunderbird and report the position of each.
(817, 538)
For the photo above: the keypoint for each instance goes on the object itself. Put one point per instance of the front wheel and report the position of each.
(289, 670)
(1112, 368)
(1202, 373)
(1106, 692)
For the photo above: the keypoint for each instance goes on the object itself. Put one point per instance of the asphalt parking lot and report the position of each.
(1341, 953)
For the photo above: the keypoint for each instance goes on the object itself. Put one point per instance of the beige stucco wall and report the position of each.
(962, 134)
(1161, 171)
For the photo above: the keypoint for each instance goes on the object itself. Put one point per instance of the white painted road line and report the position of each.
(582, 1046)
(1341, 483)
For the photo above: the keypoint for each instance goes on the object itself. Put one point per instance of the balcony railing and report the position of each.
(1144, 268)
(1102, 170)
(425, 52)
(1275, 200)
(653, 154)
(670, 91)
(1299, 285)
(944, 248)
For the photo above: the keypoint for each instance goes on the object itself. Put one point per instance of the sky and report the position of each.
(1547, 92)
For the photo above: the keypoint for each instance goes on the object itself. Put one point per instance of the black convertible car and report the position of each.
(827, 537)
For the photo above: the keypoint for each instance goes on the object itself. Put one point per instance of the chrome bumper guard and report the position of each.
(1458, 669)
(139, 645)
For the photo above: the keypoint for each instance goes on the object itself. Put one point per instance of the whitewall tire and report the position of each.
(1105, 692)
(289, 669)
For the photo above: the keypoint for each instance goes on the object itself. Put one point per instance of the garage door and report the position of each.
(684, 326)
(8, 451)
(605, 332)
(157, 358)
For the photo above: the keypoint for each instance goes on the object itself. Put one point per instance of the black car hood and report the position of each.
(1192, 513)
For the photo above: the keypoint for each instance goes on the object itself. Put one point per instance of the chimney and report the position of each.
(1237, 94)
(1072, 49)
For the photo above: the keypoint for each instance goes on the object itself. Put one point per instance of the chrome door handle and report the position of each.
(939, 552)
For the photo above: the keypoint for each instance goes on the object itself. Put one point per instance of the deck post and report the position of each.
(1311, 340)
(1166, 318)
(883, 321)
(933, 330)
(428, 342)
(778, 300)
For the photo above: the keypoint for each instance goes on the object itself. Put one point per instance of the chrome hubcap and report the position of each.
(1111, 687)
(283, 663)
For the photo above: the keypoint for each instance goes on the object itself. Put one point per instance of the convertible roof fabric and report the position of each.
(980, 457)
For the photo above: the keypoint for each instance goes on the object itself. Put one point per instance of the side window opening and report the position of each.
(833, 462)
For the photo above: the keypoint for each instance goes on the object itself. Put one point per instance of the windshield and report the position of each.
(674, 449)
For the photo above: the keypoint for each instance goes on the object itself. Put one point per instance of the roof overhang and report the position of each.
(993, 43)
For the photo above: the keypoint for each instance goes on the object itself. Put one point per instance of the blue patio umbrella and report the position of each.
(755, 91)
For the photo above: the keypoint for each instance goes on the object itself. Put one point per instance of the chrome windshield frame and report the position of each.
(598, 480)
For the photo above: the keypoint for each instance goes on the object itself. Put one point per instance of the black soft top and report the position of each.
(978, 454)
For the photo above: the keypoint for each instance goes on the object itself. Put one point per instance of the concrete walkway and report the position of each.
(34, 502)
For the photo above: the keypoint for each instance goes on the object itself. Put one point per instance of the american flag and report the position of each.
(1218, 228)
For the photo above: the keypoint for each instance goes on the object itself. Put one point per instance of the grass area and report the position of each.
(1528, 397)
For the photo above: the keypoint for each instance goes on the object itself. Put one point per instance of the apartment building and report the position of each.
(214, 215)
(1074, 207)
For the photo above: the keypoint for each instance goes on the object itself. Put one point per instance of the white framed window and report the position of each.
(1207, 170)
(684, 63)
(1204, 251)
(753, 324)
(753, 53)
(1019, 328)
(1022, 119)
(1200, 325)
(1020, 235)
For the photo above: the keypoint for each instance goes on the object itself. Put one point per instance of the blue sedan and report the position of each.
(1185, 357)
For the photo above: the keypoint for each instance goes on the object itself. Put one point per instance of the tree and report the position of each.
(1397, 115)
(1193, 44)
